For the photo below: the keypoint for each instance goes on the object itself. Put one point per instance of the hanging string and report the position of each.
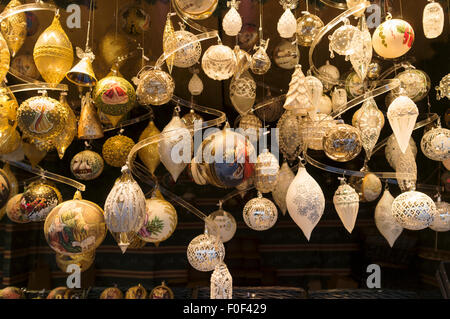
(93, 20)
(260, 20)
(401, 9)
(307, 7)
(89, 25)
(116, 13)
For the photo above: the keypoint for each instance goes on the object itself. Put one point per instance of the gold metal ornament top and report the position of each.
(14, 28)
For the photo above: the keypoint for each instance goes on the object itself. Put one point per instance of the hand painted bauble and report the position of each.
(266, 172)
(195, 85)
(308, 26)
(346, 203)
(14, 211)
(149, 154)
(196, 9)
(154, 87)
(226, 224)
(190, 54)
(415, 82)
(114, 96)
(9, 139)
(125, 208)
(243, 93)
(314, 129)
(205, 251)
(393, 38)
(287, 25)
(290, 139)
(341, 39)
(384, 220)
(342, 143)
(285, 178)
(354, 85)
(75, 227)
(42, 117)
(112, 46)
(305, 202)
(260, 213)
(414, 210)
(248, 36)
(328, 75)
(53, 53)
(135, 20)
(5, 58)
(392, 150)
(219, 62)
(116, 149)
(84, 261)
(232, 22)
(136, 292)
(435, 144)
(250, 126)
(38, 200)
(14, 28)
(433, 20)
(112, 293)
(160, 220)
(87, 165)
(11, 293)
(325, 105)
(286, 55)
(161, 292)
(260, 62)
(441, 221)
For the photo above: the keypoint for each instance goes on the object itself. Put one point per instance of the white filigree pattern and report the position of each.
(414, 210)
(260, 213)
(435, 144)
(346, 203)
(221, 283)
(266, 172)
(205, 252)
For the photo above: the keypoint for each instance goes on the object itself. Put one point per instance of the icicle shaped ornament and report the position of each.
(346, 203)
(384, 220)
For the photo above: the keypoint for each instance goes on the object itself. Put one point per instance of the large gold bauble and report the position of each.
(116, 149)
(5, 58)
(75, 227)
(53, 53)
(113, 46)
(87, 165)
(84, 261)
(14, 28)
(38, 200)
(42, 117)
(150, 154)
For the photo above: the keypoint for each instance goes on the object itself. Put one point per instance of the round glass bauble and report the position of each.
(342, 143)
(219, 62)
(205, 252)
(154, 87)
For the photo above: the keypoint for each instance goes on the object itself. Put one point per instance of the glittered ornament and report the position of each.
(112, 293)
(392, 150)
(308, 26)
(87, 165)
(221, 283)
(266, 172)
(250, 126)
(414, 210)
(169, 42)
(225, 222)
(5, 58)
(205, 252)
(14, 211)
(433, 20)
(38, 200)
(243, 93)
(346, 203)
(136, 292)
(232, 21)
(260, 62)
(342, 143)
(328, 75)
(406, 164)
(384, 220)
(196, 9)
(435, 144)
(260, 213)
(393, 38)
(298, 98)
(286, 55)
(14, 28)
(149, 154)
(305, 201)
(53, 53)
(154, 87)
(287, 25)
(289, 135)
(161, 292)
(84, 261)
(75, 227)
(116, 149)
(285, 178)
(441, 222)
(219, 62)
(191, 51)
(89, 125)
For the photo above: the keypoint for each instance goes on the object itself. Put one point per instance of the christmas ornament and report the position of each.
(443, 90)
(134, 241)
(287, 25)
(441, 222)
(136, 292)
(176, 148)
(325, 105)
(315, 91)
(250, 126)
(414, 210)
(38, 200)
(354, 85)
(221, 283)
(169, 42)
(154, 87)
(298, 99)
(225, 222)
(260, 62)
(289, 135)
(161, 292)
(205, 252)
(89, 125)
(75, 227)
(113, 45)
(192, 120)
(260, 213)
(232, 21)
(285, 178)
(195, 85)
(243, 92)
(314, 129)
(114, 96)
(196, 9)
(219, 62)
(308, 26)
(53, 53)
(342, 143)
(5, 58)
(433, 20)
(266, 172)
(385, 221)
(160, 220)
(338, 99)
(149, 154)
(305, 201)
(435, 144)
(243, 61)
(416, 83)
(14, 28)
(112, 293)
(393, 38)
(370, 188)
(63, 140)
(84, 261)
(60, 293)
(14, 211)
(87, 165)
(42, 117)
(11, 293)
(191, 51)
(125, 208)
(286, 55)
(135, 20)
(116, 149)
(328, 74)
(373, 71)
(402, 115)
(342, 40)
(392, 150)
(5, 188)
(362, 54)
(346, 203)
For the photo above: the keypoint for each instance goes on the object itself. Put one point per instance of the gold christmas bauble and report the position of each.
(53, 53)
(5, 58)
(136, 292)
(38, 200)
(111, 293)
(84, 261)
(14, 28)
(87, 165)
(149, 154)
(116, 149)
(342, 143)
(42, 117)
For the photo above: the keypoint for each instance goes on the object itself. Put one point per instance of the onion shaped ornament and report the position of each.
(260, 213)
(285, 178)
(305, 201)
(205, 252)
(414, 210)
(260, 62)
(125, 208)
(385, 221)
(232, 21)
(346, 203)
